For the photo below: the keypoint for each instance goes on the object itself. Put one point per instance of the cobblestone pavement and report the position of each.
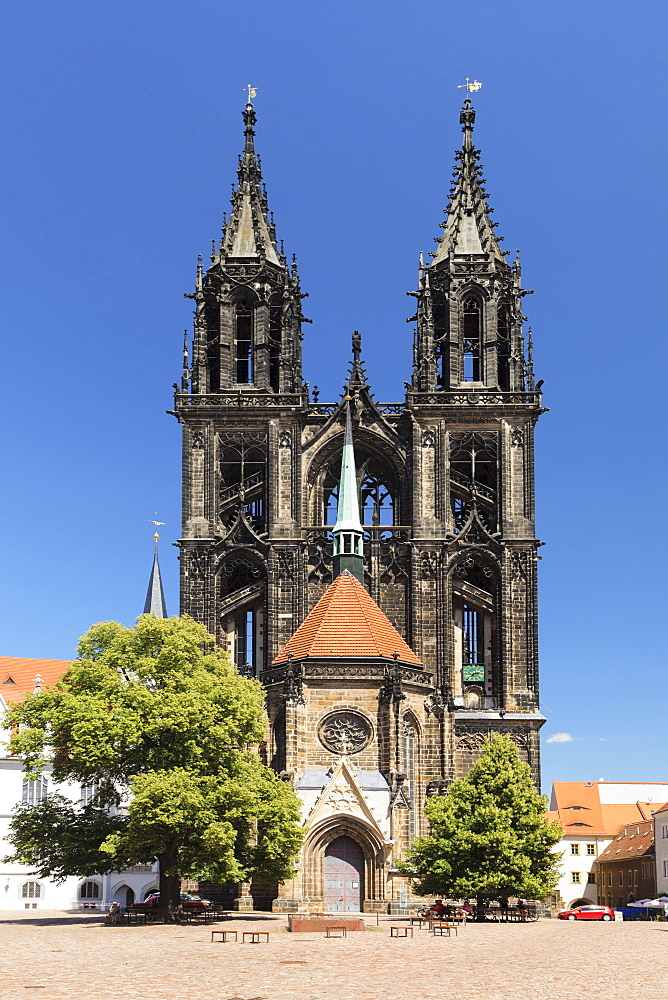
(61, 957)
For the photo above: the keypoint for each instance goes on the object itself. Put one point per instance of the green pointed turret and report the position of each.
(348, 532)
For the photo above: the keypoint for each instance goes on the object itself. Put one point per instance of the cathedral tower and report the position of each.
(444, 539)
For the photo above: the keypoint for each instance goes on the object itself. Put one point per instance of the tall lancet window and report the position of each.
(441, 338)
(243, 342)
(471, 353)
(410, 747)
(503, 343)
(275, 331)
(472, 637)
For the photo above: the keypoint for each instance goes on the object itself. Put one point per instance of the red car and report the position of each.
(587, 913)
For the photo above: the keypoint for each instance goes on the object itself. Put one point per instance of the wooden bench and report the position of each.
(336, 931)
(438, 926)
(224, 936)
(401, 930)
(255, 937)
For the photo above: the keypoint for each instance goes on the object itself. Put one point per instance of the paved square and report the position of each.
(59, 957)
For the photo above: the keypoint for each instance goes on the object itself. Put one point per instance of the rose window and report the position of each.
(345, 732)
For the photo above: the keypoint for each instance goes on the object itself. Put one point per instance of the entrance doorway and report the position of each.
(344, 876)
(125, 896)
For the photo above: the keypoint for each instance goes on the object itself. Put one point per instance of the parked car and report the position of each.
(587, 913)
(188, 901)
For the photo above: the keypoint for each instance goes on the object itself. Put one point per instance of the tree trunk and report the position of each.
(480, 910)
(170, 881)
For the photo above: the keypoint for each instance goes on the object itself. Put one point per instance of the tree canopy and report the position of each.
(490, 836)
(164, 727)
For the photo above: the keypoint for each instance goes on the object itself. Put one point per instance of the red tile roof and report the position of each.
(634, 841)
(346, 622)
(17, 676)
(581, 812)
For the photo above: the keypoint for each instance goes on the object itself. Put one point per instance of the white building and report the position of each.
(592, 813)
(19, 887)
(661, 851)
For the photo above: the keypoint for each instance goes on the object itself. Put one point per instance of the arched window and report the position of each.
(474, 615)
(89, 890)
(441, 318)
(377, 498)
(473, 475)
(376, 486)
(242, 618)
(473, 653)
(34, 791)
(242, 469)
(279, 759)
(275, 335)
(503, 343)
(471, 342)
(330, 494)
(410, 757)
(31, 890)
(243, 342)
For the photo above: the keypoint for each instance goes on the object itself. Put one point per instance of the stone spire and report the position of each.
(155, 596)
(468, 228)
(348, 532)
(250, 233)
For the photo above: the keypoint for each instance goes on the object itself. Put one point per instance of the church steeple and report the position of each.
(155, 595)
(250, 234)
(469, 298)
(348, 532)
(248, 302)
(468, 229)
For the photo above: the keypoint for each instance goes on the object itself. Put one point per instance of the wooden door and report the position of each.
(344, 876)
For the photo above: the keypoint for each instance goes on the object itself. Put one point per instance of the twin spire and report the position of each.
(468, 228)
(250, 233)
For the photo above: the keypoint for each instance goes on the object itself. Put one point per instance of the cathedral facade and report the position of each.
(392, 649)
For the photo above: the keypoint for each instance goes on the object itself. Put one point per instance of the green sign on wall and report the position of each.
(474, 672)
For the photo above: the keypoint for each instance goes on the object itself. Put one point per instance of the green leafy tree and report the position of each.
(165, 728)
(490, 835)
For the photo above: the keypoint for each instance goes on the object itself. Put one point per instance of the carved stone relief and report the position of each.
(345, 732)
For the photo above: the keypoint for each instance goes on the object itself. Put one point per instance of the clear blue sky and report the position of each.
(121, 126)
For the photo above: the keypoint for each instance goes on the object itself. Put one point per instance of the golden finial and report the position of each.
(471, 85)
(252, 92)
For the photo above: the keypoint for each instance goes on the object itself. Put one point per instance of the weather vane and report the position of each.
(471, 85)
(252, 92)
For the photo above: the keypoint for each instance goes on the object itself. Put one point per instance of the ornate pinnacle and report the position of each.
(467, 115)
(357, 377)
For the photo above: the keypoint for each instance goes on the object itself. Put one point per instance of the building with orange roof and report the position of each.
(625, 870)
(20, 676)
(592, 813)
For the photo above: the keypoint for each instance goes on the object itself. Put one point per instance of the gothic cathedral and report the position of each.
(373, 564)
